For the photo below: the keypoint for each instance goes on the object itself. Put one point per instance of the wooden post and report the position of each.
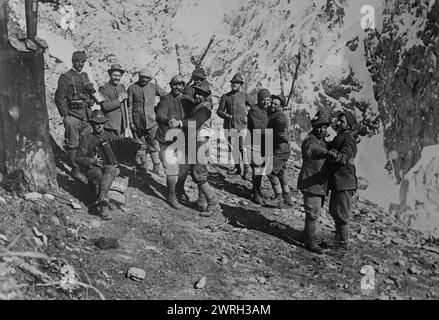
(31, 7)
(177, 50)
(281, 79)
(3, 23)
(24, 121)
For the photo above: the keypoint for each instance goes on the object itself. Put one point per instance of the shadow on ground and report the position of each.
(253, 220)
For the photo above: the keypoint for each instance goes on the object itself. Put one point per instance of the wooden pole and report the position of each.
(31, 8)
(294, 81)
(177, 50)
(199, 62)
(281, 79)
(3, 23)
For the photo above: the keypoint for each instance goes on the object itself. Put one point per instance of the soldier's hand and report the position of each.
(122, 96)
(332, 154)
(133, 127)
(97, 162)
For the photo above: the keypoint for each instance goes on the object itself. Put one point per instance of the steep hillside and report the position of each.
(386, 75)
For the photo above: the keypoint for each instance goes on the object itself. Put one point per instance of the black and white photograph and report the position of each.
(218, 156)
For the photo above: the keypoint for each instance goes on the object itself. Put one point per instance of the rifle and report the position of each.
(200, 61)
(294, 79)
(126, 121)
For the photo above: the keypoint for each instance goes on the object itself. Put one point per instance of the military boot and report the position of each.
(247, 172)
(202, 201)
(180, 192)
(256, 191)
(104, 209)
(277, 202)
(157, 169)
(76, 172)
(212, 202)
(344, 237)
(309, 236)
(172, 198)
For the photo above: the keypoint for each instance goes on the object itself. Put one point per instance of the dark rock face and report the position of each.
(405, 74)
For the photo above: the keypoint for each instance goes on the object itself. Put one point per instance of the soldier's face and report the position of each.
(265, 103)
(199, 98)
(115, 77)
(236, 86)
(78, 65)
(321, 131)
(197, 79)
(177, 88)
(275, 105)
(341, 124)
(144, 80)
(98, 128)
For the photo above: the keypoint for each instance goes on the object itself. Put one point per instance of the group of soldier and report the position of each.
(326, 166)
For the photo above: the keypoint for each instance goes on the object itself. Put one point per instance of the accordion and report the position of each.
(119, 151)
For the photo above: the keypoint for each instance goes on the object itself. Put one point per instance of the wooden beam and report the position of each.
(3, 23)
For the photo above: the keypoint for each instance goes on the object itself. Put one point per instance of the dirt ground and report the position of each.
(246, 252)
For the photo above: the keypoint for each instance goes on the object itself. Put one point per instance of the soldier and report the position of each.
(342, 177)
(99, 174)
(279, 123)
(233, 109)
(198, 76)
(170, 115)
(114, 94)
(258, 119)
(74, 105)
(141, 109)
(312, 180)
(199, 115)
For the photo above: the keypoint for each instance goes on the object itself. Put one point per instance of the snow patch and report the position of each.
(382, 188)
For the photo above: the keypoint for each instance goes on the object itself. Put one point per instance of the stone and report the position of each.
(48, 197)
(3, 238)
(401, 262)
(107, 243)
(117, 197)
(261, 280)
(33, 196)
(95, 224)
(2, 200)
(200, 284)
(40, 238)
(414, 270)
(136, 274)
(223, 260)
(75, 205)
(55, 221)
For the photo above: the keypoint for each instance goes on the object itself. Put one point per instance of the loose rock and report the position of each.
(55, 221)
(33, 196)
(107, 243)
(261, 280)
(200, 284)
(136, 274)
(2, 200)
(414, 270)
(3, 238)
(48, 197)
